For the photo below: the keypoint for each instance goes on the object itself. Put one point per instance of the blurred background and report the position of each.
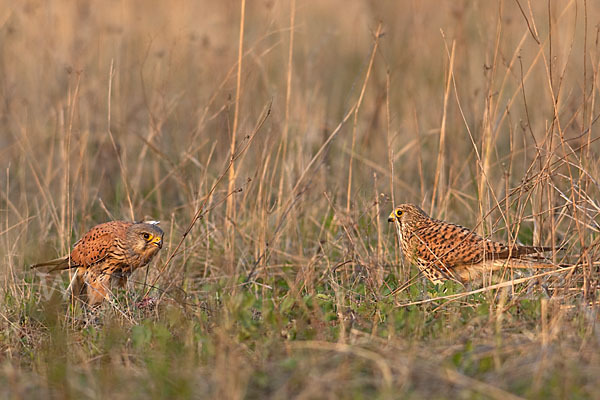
(481, 112)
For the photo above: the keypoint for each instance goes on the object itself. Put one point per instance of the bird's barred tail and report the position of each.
(517, 251)
(57, 263)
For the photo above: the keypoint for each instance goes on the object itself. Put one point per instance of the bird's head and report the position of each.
(146, 239)
(406, 215)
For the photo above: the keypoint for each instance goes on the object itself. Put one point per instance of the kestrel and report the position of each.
(106, 255)
(444, 251)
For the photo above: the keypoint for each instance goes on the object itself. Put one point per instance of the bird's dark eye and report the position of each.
(146, 236)
(399, 213)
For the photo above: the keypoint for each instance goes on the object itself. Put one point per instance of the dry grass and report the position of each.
(272, 158)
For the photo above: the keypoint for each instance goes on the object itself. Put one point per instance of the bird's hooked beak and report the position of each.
(392, 217)
(157, 241)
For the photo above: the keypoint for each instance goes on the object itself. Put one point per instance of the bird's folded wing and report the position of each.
(92, 248)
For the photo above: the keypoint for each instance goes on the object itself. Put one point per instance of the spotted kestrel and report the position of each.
(106, 255)
(444, 251)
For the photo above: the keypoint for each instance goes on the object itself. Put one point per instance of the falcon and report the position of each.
(107, 255)
(444, 251)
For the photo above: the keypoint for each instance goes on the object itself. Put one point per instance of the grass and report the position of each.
(272, 158)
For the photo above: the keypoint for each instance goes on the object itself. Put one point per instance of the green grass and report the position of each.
(247, 344)
(271, 284)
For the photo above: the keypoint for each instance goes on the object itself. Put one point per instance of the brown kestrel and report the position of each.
(106, 256)
(444, 251)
